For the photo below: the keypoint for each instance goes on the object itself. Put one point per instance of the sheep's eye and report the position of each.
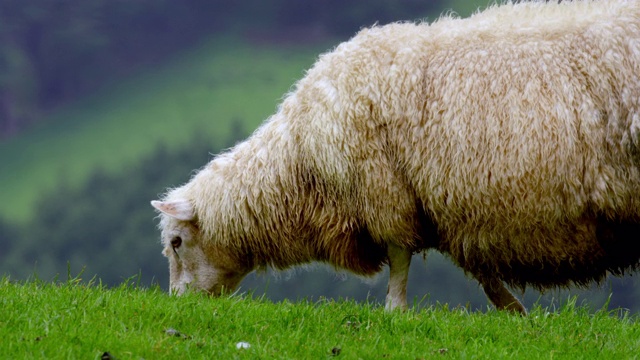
(176, 242)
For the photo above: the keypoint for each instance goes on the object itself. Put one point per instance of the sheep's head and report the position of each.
(194, 263)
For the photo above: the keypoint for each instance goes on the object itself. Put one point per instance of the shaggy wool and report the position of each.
(508, 141)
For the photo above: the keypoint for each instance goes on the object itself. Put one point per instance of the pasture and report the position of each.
(75, 320)
(200, 91)
(204, 91)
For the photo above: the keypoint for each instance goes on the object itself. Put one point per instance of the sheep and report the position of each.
(508, 141)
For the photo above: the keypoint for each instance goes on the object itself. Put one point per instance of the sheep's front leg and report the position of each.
(399, 261)
(500, 296)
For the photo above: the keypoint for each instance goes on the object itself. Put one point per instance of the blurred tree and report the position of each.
(52, 51)
(18, 87)
(344, 18)
(7, 237)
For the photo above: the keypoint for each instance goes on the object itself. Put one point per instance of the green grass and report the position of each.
(201, 90)
(73, 320)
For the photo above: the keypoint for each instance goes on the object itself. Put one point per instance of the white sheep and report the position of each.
(508, 141)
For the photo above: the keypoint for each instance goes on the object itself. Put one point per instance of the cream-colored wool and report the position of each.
(509, 141)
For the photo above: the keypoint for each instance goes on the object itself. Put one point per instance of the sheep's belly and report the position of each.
(545, 257)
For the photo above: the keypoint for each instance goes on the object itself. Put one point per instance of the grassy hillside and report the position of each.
(200, 91)
(69, 320)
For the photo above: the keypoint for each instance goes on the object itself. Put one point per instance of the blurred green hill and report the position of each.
(201, 90)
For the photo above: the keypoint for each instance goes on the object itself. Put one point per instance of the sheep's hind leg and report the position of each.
(500, 296)
(399, 262)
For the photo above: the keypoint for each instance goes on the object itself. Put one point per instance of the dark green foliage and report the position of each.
(344, 18)
(72, 43)
(7, 236)
(54, 51)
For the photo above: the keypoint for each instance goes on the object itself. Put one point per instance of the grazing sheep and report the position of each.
(509, 141)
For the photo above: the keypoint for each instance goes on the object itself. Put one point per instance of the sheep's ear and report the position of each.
(181, 210)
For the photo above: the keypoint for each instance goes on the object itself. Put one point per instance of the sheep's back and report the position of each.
(523, 151)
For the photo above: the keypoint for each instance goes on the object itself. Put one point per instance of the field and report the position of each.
(70, 320)
(200, 91)
(205, 91)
